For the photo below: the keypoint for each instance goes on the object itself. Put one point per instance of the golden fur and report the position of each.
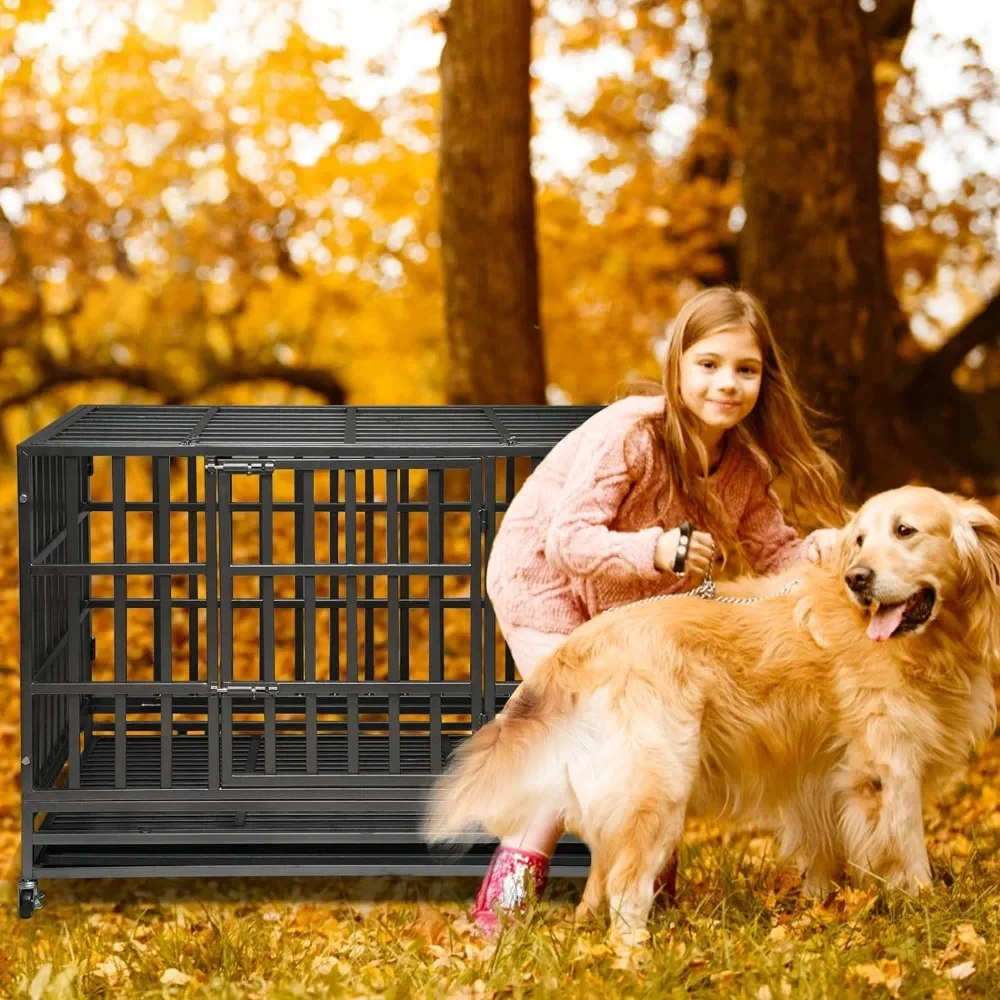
(784, 712)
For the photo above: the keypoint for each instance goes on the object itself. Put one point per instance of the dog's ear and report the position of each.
(977, 536)
(844, 549)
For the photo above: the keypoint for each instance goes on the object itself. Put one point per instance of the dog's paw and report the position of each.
(627, 941)
(911, 883)
(816, 886)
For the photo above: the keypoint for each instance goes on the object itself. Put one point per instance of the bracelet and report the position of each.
(680, 557)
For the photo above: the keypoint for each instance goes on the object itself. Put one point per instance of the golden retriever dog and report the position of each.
(825, 713)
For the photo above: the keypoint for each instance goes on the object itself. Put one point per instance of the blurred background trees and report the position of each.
(206, 201)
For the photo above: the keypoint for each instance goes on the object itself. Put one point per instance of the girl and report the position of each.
(599, 522)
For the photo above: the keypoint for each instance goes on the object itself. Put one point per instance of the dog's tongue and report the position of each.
(885, 621)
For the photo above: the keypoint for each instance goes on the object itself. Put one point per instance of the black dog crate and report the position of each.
(251, 636)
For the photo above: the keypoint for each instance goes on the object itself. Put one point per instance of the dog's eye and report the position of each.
(860, 540)
(904, 530)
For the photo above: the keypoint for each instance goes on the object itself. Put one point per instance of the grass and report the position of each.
(740, 930)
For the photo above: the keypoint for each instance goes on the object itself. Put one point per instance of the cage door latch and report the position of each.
(247, 468)
(250, 689)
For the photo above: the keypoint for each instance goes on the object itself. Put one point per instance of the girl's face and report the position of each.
(720, 378)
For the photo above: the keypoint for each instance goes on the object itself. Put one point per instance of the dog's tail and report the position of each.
(508, 771)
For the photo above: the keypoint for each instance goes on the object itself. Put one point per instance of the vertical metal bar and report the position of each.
(192, 526)
(334, 533)
(60, 488)
(510, 464)
(489, 615)
(435, 554)
(162, 632)
(27, 836)
(39, 608)
(266, 522)
(211, 627)
(369, 577)
(476, 517)
(31, 745)
(309, 614)
(119, 531)
(74, 652)
(351, 557)
(404, 583)
(166, 740)
(88, 626)
(227, 613)
(391, 556)
(299, 581)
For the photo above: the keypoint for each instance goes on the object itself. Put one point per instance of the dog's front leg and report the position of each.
(810, 837)
(881, 814)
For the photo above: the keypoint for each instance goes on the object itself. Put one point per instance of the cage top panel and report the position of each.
(307, 430)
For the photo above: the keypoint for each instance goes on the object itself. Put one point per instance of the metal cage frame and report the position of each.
(269, 775)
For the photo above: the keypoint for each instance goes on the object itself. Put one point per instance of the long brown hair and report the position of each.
(777, 430)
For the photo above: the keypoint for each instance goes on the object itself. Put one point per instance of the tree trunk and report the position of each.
(488, 247)
(811, 247)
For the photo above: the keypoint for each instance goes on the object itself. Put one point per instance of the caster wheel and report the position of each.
(29, 899)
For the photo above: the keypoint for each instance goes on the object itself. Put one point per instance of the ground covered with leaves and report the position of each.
(740, 928)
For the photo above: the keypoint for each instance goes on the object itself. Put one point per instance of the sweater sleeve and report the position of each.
(580, 540)
(769, 542)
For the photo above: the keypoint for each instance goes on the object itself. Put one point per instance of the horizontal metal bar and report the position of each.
(403, 455)
(254, 569)
(110, 569)
(138, 689)
(363, 784)
(249, 867)
(222, 837)
(351, 569)
(166, 800)
(141, 689)
(281, 506)
(463, 460)
(375, 688)
(287, 602)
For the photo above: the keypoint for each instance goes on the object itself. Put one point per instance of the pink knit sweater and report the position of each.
(579, 536)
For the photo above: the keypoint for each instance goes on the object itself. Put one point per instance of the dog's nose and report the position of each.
(859, 578)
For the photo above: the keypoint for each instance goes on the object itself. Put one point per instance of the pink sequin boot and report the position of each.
(505, 885)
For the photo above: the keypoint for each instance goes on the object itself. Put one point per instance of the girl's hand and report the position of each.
(700, 553)
(820, 544)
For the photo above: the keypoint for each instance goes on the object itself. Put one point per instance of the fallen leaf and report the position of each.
(887, 973)
(112, 968)
(430, 924)
(961, 971)
(966, 935)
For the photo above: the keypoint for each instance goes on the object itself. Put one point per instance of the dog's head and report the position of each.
(908, 553)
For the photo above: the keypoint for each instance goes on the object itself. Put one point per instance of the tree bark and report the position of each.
(811, 247)
(891, 20)
(488, 250)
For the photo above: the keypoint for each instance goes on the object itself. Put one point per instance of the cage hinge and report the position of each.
(235, 468)
(250, 689)
(484, 518)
